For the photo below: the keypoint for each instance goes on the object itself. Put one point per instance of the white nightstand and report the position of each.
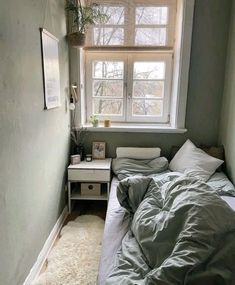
(94, 180)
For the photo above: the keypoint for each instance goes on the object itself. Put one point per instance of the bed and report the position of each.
(118, 222)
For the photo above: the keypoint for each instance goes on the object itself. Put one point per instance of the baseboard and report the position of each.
(34, 272)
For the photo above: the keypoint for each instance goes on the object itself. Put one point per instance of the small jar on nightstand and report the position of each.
(89, 157)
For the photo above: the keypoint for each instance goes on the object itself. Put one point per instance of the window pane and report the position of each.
(151, 16)
(149, 70)
(148, 89)
(150, 36)
(108, 36)
(108, 69)
(109, 88)
(115, 14)
(147, 108)
(107, 107)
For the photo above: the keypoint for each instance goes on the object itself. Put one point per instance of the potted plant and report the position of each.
(94, 120)
(83, 16)
(78, 137)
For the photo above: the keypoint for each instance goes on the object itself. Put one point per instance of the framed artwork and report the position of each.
(98, 150)
(51, 71)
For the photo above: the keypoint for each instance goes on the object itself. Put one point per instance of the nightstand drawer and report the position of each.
(89, 175)
(90, 189)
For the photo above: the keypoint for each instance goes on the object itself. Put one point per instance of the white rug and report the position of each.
(74, 260)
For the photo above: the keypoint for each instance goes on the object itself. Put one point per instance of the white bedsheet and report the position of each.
(230, 201)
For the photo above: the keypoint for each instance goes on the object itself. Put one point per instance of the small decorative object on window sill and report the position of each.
(94, 121)
(107, 123)
(89, 157)
(80, 18)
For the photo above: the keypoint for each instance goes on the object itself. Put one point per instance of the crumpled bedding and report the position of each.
(220, 183)
(126, 167)
(182, 232)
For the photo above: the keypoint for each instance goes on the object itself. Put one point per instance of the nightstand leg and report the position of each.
(69, 197)
(108, 189)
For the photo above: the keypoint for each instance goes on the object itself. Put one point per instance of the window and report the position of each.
(135, 23)
(133, 62)
(112, 33)
(107, 87)
(129, 87)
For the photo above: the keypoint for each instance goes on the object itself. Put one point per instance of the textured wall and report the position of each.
(206, 81)
(227, 126)
(33, 142)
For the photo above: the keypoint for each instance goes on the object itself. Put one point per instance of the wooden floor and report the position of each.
(82, 207)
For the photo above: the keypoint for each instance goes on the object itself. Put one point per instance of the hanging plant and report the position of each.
(83, 16)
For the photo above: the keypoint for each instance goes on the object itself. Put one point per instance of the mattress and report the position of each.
(117, 224)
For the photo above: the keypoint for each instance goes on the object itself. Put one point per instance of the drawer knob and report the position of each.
(90, 187)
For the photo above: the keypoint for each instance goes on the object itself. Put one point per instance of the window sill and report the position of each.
(135, 129)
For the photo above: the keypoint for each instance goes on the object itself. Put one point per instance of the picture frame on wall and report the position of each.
(51, 70)
(98, 150)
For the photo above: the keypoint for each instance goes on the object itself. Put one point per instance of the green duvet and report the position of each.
(182, 232)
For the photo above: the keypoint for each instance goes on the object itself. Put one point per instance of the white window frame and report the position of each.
(184, 29)
(131, 25)
(129, 59)
(171, 17)
(90, 57)
(89, 39)
(167, 58)
(181, 63)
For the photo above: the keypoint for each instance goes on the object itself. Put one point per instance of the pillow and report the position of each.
(194, 162)
(215, 151)
(138, 152)
(126, 167)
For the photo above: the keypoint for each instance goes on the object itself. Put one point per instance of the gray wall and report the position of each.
(227, 125)
(206, 81)
(33, 142)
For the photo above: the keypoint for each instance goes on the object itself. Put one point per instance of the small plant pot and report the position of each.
(76, 39)
(95, 124)
(107, 123)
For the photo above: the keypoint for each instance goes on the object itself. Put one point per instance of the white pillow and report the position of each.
(138, 152)
(194, 162)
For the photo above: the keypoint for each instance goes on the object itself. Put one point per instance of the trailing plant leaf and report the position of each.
(78, 135)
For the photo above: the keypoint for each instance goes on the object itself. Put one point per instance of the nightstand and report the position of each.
(93, 179)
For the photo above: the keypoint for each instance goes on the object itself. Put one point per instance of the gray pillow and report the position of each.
(126, 167)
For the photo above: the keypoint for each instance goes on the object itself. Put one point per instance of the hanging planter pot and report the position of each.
(76, 39)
